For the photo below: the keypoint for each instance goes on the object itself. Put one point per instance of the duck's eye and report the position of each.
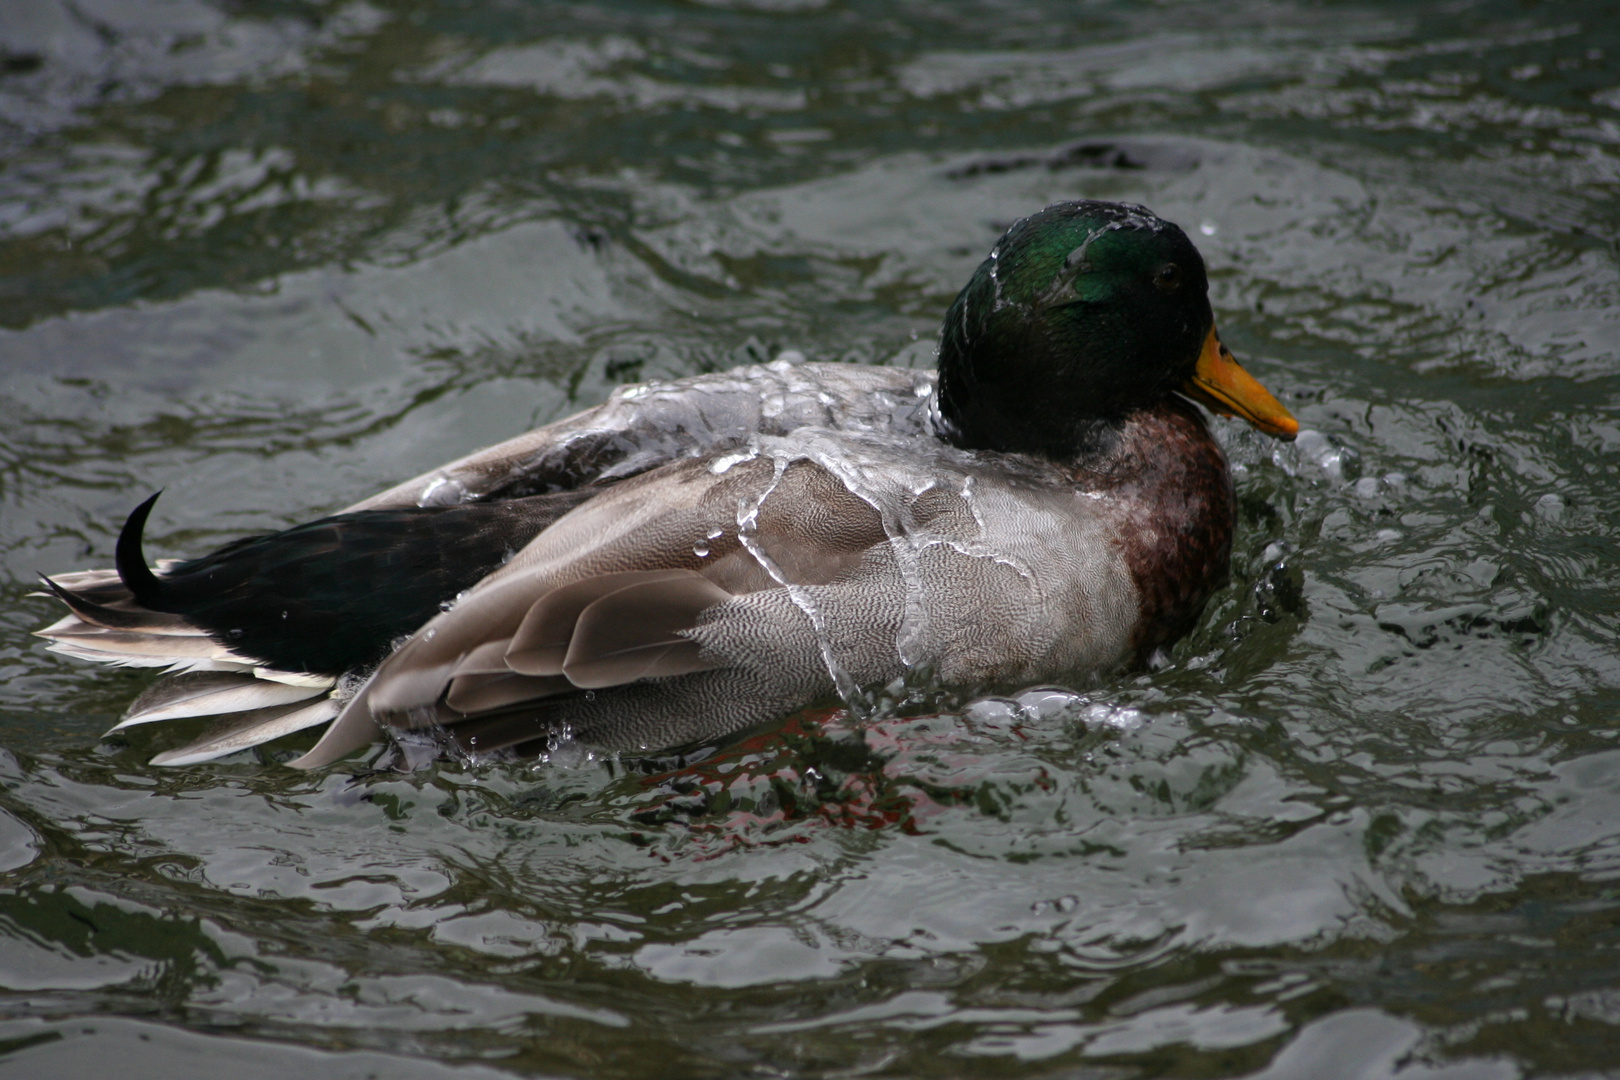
(1168, 279)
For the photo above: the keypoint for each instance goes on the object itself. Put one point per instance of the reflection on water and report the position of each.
(274, 258)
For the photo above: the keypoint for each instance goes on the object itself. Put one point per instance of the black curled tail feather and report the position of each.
(137, 577)
(334, 594)
(110, 618)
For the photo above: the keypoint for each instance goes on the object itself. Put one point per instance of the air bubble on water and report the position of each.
(1550, 507)
(1046, 705)
(992, 712)
(1117, 717)
(1311, 449)
(1367, 487)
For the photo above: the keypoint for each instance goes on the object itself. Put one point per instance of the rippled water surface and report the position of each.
(273, 257)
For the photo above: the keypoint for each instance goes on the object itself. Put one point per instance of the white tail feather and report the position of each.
(244, 730)
(252, 704)
(136, 643)
(121, 659)
(217, 697)
(70, 625)
(296, 678)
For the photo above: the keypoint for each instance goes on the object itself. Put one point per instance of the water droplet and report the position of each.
(1208, 228)
(700, 550)
(443, 491)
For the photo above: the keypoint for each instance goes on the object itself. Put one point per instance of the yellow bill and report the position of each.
(1221, 383)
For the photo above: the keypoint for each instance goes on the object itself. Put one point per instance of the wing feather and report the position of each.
(486, 693)
(543, 640)
(490, 734)
(487, 659)
(640, 632)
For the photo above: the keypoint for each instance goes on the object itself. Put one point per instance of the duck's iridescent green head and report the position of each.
(1081, 314)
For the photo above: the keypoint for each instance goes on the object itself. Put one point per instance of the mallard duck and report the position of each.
(697, 557)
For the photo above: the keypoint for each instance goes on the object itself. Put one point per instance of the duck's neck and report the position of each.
(977, 421)
(1172, 492)
(1169, 495)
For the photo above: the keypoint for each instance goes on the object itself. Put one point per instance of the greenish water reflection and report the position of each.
(275, 256)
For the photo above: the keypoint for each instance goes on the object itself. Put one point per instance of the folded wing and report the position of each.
(617, 595)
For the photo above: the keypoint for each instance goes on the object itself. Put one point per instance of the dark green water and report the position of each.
(273, 257)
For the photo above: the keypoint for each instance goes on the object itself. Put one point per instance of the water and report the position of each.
(274, 258)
